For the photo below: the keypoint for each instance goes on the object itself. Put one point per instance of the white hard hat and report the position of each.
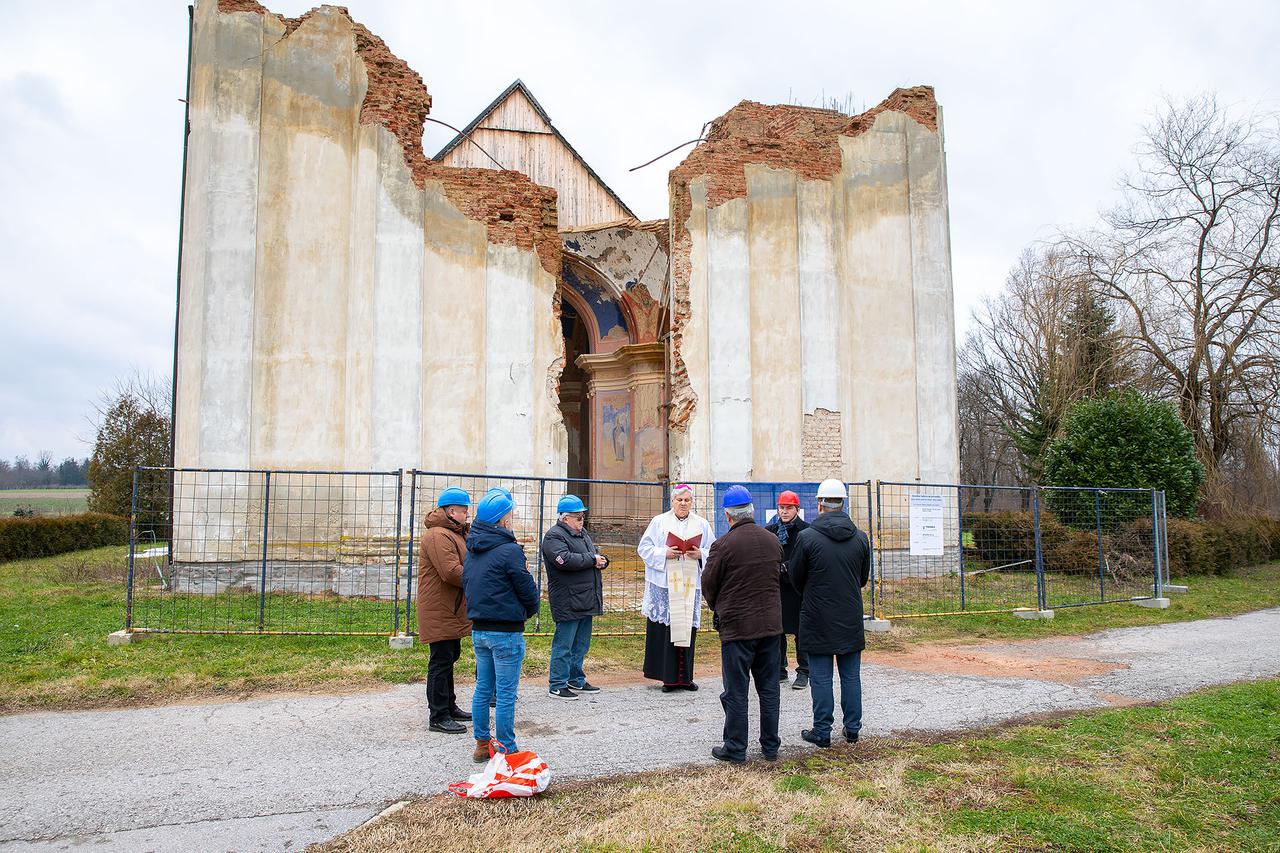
(833, 489)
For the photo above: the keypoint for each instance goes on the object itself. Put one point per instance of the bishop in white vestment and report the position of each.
(674, 549)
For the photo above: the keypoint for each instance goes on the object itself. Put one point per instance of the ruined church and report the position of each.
(349, 301)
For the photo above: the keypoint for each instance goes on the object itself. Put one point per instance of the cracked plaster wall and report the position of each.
(811, 291)
(345, 303)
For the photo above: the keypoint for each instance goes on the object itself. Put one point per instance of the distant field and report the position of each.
(44, 501)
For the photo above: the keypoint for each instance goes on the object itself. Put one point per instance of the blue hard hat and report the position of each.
(736, 496)
(493, 506)
(571, 503)
(453, 496)
(501, 491)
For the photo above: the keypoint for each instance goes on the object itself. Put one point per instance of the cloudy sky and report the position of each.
(1043, 106)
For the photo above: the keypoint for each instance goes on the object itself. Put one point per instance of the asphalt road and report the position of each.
(280, 773)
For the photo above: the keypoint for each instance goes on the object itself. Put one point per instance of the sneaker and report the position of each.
(783, 677)
(585, 687)
(808, 735)
(456, 713)
(719, 753)
(448, 726)
(851, 737)
(801, 682)
(563, 693)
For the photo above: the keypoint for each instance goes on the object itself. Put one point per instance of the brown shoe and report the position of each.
(481, 754)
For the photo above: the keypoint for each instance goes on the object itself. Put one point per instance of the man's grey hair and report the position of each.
(565, 515)
(741, 513)
(831, 504)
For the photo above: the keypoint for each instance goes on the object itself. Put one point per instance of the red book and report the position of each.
(684, 546)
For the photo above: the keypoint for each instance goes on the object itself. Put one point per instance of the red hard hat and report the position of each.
(788, 499)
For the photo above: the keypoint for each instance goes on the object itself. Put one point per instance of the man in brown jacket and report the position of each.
(740, 585)
(442, 609)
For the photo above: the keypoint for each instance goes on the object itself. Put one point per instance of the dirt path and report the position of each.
(278, 773)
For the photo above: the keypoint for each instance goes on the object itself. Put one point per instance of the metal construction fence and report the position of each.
(338, 552)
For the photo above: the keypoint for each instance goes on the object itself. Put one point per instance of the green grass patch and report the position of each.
(44, 501)
(56, 612)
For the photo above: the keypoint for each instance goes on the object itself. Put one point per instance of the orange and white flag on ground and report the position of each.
(520, 774)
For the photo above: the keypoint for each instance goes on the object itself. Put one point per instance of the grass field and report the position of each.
(56, 612)
(44, 501)
(1198, 773)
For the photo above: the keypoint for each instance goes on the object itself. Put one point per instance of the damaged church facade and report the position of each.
(347, 302)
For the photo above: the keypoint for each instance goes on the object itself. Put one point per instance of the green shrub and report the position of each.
(1196, 547)
(1122, 441)
(45, 536)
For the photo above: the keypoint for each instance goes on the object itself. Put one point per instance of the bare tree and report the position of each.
(1044, 343)
(1190, 260)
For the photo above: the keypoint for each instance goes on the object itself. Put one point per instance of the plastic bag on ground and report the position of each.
(520, 774)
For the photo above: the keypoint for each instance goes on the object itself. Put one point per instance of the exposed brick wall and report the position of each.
(802, 139)
(514, 210)
(821, 446)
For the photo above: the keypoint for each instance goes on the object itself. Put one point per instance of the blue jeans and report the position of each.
(820, 676)
(499, 656)
(568, 649)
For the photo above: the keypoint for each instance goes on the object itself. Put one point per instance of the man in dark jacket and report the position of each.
(787, 527)
(740, 585)
(575, 589)
(831, 566)
(501, 595)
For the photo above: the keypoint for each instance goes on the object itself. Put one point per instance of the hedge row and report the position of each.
(45, 536)
(1196, 547)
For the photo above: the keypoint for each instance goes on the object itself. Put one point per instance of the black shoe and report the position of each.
(670, 688)
(851, 737)
(721, 754)
(807, 734)
(448, 727)
(456, 713)
(801, 682)
(691, 686)
(585, 687)
(563, 693)
(783, 677)
(770, 756)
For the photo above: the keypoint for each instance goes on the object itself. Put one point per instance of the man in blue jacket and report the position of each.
(501, 595)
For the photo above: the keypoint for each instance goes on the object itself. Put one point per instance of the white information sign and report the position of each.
(926, 525)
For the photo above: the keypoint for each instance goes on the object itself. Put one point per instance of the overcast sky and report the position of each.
(1043, 106)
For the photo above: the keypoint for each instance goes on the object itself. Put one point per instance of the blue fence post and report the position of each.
(395, 596)
(408, 581)
(1041, 597)
(1159, 585)
(133, 540)
(871, 557)
(877, 561)
(960, 541)
(1102, 562)
(262, 582)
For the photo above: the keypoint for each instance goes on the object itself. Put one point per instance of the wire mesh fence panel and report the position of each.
(237, 551)
(1099, 545)
(943, 549)
(617, 514)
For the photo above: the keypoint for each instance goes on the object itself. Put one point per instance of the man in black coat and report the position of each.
(740, 585)
(575, 589)
(832, 564)
(787, 526)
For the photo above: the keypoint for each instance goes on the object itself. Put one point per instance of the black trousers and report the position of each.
(440, 696)
(802, 659)
(741, 661)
